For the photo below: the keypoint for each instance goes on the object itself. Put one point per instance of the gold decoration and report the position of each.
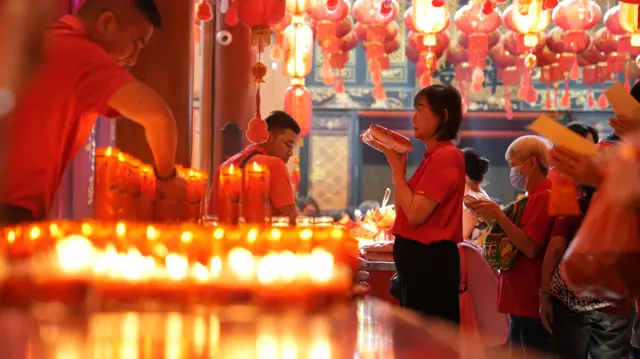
(259, 71)
(530, 61)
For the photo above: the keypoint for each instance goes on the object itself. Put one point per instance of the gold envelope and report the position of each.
(622, 103)
(562, 136)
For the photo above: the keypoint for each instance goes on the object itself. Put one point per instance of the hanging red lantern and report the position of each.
(299, 104)
(204, 10)
(260, 15)
(471, 20)
(612, 21)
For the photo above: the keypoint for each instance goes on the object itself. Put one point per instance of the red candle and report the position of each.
(105, 187)
(230, 189)
(255, 197)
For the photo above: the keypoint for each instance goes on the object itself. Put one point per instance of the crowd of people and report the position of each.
(443, 203)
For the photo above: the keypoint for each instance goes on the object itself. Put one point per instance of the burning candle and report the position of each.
(105, 184)
(230, 189)
(255, 198)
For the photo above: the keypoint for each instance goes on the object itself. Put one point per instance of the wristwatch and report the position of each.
(168, 178)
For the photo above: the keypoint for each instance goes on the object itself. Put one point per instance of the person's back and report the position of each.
(56, 113)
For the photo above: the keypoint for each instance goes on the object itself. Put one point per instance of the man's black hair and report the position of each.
(150, 9)
(280, 121)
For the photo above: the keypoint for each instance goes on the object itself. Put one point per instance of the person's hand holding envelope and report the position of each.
(626, 108)
(573, 155)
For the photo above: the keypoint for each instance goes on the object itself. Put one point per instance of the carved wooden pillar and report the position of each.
(233, 88)
(166, 66)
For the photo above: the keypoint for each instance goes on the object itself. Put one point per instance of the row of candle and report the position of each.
(244, 191)
(137, 259)
(125, 189)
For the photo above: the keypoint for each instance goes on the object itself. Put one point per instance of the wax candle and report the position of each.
(230, 188)
(255, 197)
(147, 202)
(105, 187)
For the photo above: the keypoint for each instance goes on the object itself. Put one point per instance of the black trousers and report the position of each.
(11, 215)
(595, 334)
(429, 277)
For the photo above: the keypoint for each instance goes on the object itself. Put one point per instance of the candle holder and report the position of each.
(230, 190)
(255, 195)
(181, 263)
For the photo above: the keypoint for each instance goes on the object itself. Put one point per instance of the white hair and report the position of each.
(526, 147)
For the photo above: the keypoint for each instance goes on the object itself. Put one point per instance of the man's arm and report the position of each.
(144, 106)
(288, 211)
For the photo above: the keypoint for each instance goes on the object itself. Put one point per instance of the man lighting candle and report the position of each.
(81, 77)
(273, 154)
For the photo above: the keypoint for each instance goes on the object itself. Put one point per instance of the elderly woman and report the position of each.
(519, 285)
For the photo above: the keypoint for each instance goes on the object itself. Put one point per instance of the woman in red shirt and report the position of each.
(518, 287)
(428, 223)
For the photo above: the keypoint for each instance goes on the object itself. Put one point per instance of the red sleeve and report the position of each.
(281, 192)
(440, 176)
(97, 76)
(564, 226)
(536, 222)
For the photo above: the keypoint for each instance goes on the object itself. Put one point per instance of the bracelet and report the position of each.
(544, 292)
(168, 178)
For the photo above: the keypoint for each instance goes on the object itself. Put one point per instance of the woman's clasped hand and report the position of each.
(488, 210)
(582, 168)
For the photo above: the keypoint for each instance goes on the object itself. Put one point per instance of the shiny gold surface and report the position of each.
(362, 329)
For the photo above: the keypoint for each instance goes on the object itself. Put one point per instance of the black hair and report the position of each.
(475, 165)
(635, 91)
(446, 103)
(150, 9)
(280, 121)
(584, 130)
(302, 202)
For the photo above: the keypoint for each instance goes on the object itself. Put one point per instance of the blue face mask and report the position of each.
(518, 181)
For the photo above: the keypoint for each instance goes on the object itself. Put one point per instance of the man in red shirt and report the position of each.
(273, 154)
(82, 76)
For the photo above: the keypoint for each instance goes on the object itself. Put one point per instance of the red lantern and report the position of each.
(605, 41)
(260, 15)
(612, 21)
(500, 57)
(299, 104)
(575, 17)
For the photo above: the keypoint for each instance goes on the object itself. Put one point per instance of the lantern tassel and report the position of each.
(602, 99)
(548, 104)
(566, 98)
(590, 100)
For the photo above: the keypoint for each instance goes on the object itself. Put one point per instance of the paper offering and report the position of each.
(562, 136)
(622, 103)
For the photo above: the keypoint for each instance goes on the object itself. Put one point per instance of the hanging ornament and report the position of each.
(257, 128)
(204, 10)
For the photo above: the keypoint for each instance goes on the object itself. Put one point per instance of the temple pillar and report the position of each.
(233, 89)
(166, 65)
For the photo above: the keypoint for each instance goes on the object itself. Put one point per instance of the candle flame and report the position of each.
(231, 169)
(121, 229)
(186, 237)
(86, 229)
(54, 230)
(109, 151)
(218, 233)
(276, 234)
(256, 167)
(11, 236)
(152, 233)
(306, 234)
(242, 263)
(252, 235)
(35, 232)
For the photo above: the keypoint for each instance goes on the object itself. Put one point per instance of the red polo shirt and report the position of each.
(518, 287)
(441, 178)
(54, 117)
(280, 190)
